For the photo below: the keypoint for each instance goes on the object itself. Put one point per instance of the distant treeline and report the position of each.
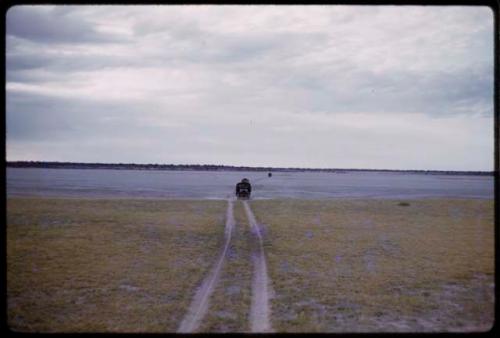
(209, 167)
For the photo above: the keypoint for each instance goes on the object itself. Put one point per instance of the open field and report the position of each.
(375, 265)
(98, 265)
(107, 265)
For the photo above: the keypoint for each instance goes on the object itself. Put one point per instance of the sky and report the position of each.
(381, 87)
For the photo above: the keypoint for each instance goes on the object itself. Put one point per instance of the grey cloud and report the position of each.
(86, 130)
(19, 65)
(173, 27)
(434, 93)
(47, 25)
(31, 118)
(242, 48)
(36, 117)
(222, 83)
(23, 61)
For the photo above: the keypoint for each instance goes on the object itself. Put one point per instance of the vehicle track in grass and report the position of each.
(200, 303)
(260, 309)
(229, 310)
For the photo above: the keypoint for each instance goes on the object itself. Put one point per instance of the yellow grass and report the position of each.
(107, 265)
(375, 265)
(77, 265)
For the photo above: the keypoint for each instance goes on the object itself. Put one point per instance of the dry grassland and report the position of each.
(380, 266)
(230, 303)
(107, 265)
(335, 265)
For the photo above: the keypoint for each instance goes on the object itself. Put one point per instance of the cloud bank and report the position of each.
(398, 87)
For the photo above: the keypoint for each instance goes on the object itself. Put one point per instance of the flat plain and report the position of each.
(337, 265)
(95, 265)
(380, 265)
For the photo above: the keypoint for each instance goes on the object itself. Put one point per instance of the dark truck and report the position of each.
(243, 189)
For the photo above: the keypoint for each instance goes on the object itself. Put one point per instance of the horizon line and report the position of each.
(231, 166)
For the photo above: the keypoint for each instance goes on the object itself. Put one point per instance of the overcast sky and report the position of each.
(392, 87)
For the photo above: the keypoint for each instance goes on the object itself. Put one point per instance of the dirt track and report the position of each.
(200, 302)
(260, 310)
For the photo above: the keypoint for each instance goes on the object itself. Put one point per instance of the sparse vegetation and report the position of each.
(363, 265)
(98, 265)
(107, 265)
(230, 303)
(156, 166)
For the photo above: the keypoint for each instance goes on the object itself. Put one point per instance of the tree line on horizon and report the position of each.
(208, 167)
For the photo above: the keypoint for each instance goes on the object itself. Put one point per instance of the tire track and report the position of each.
(199, 305)
(260, 309)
